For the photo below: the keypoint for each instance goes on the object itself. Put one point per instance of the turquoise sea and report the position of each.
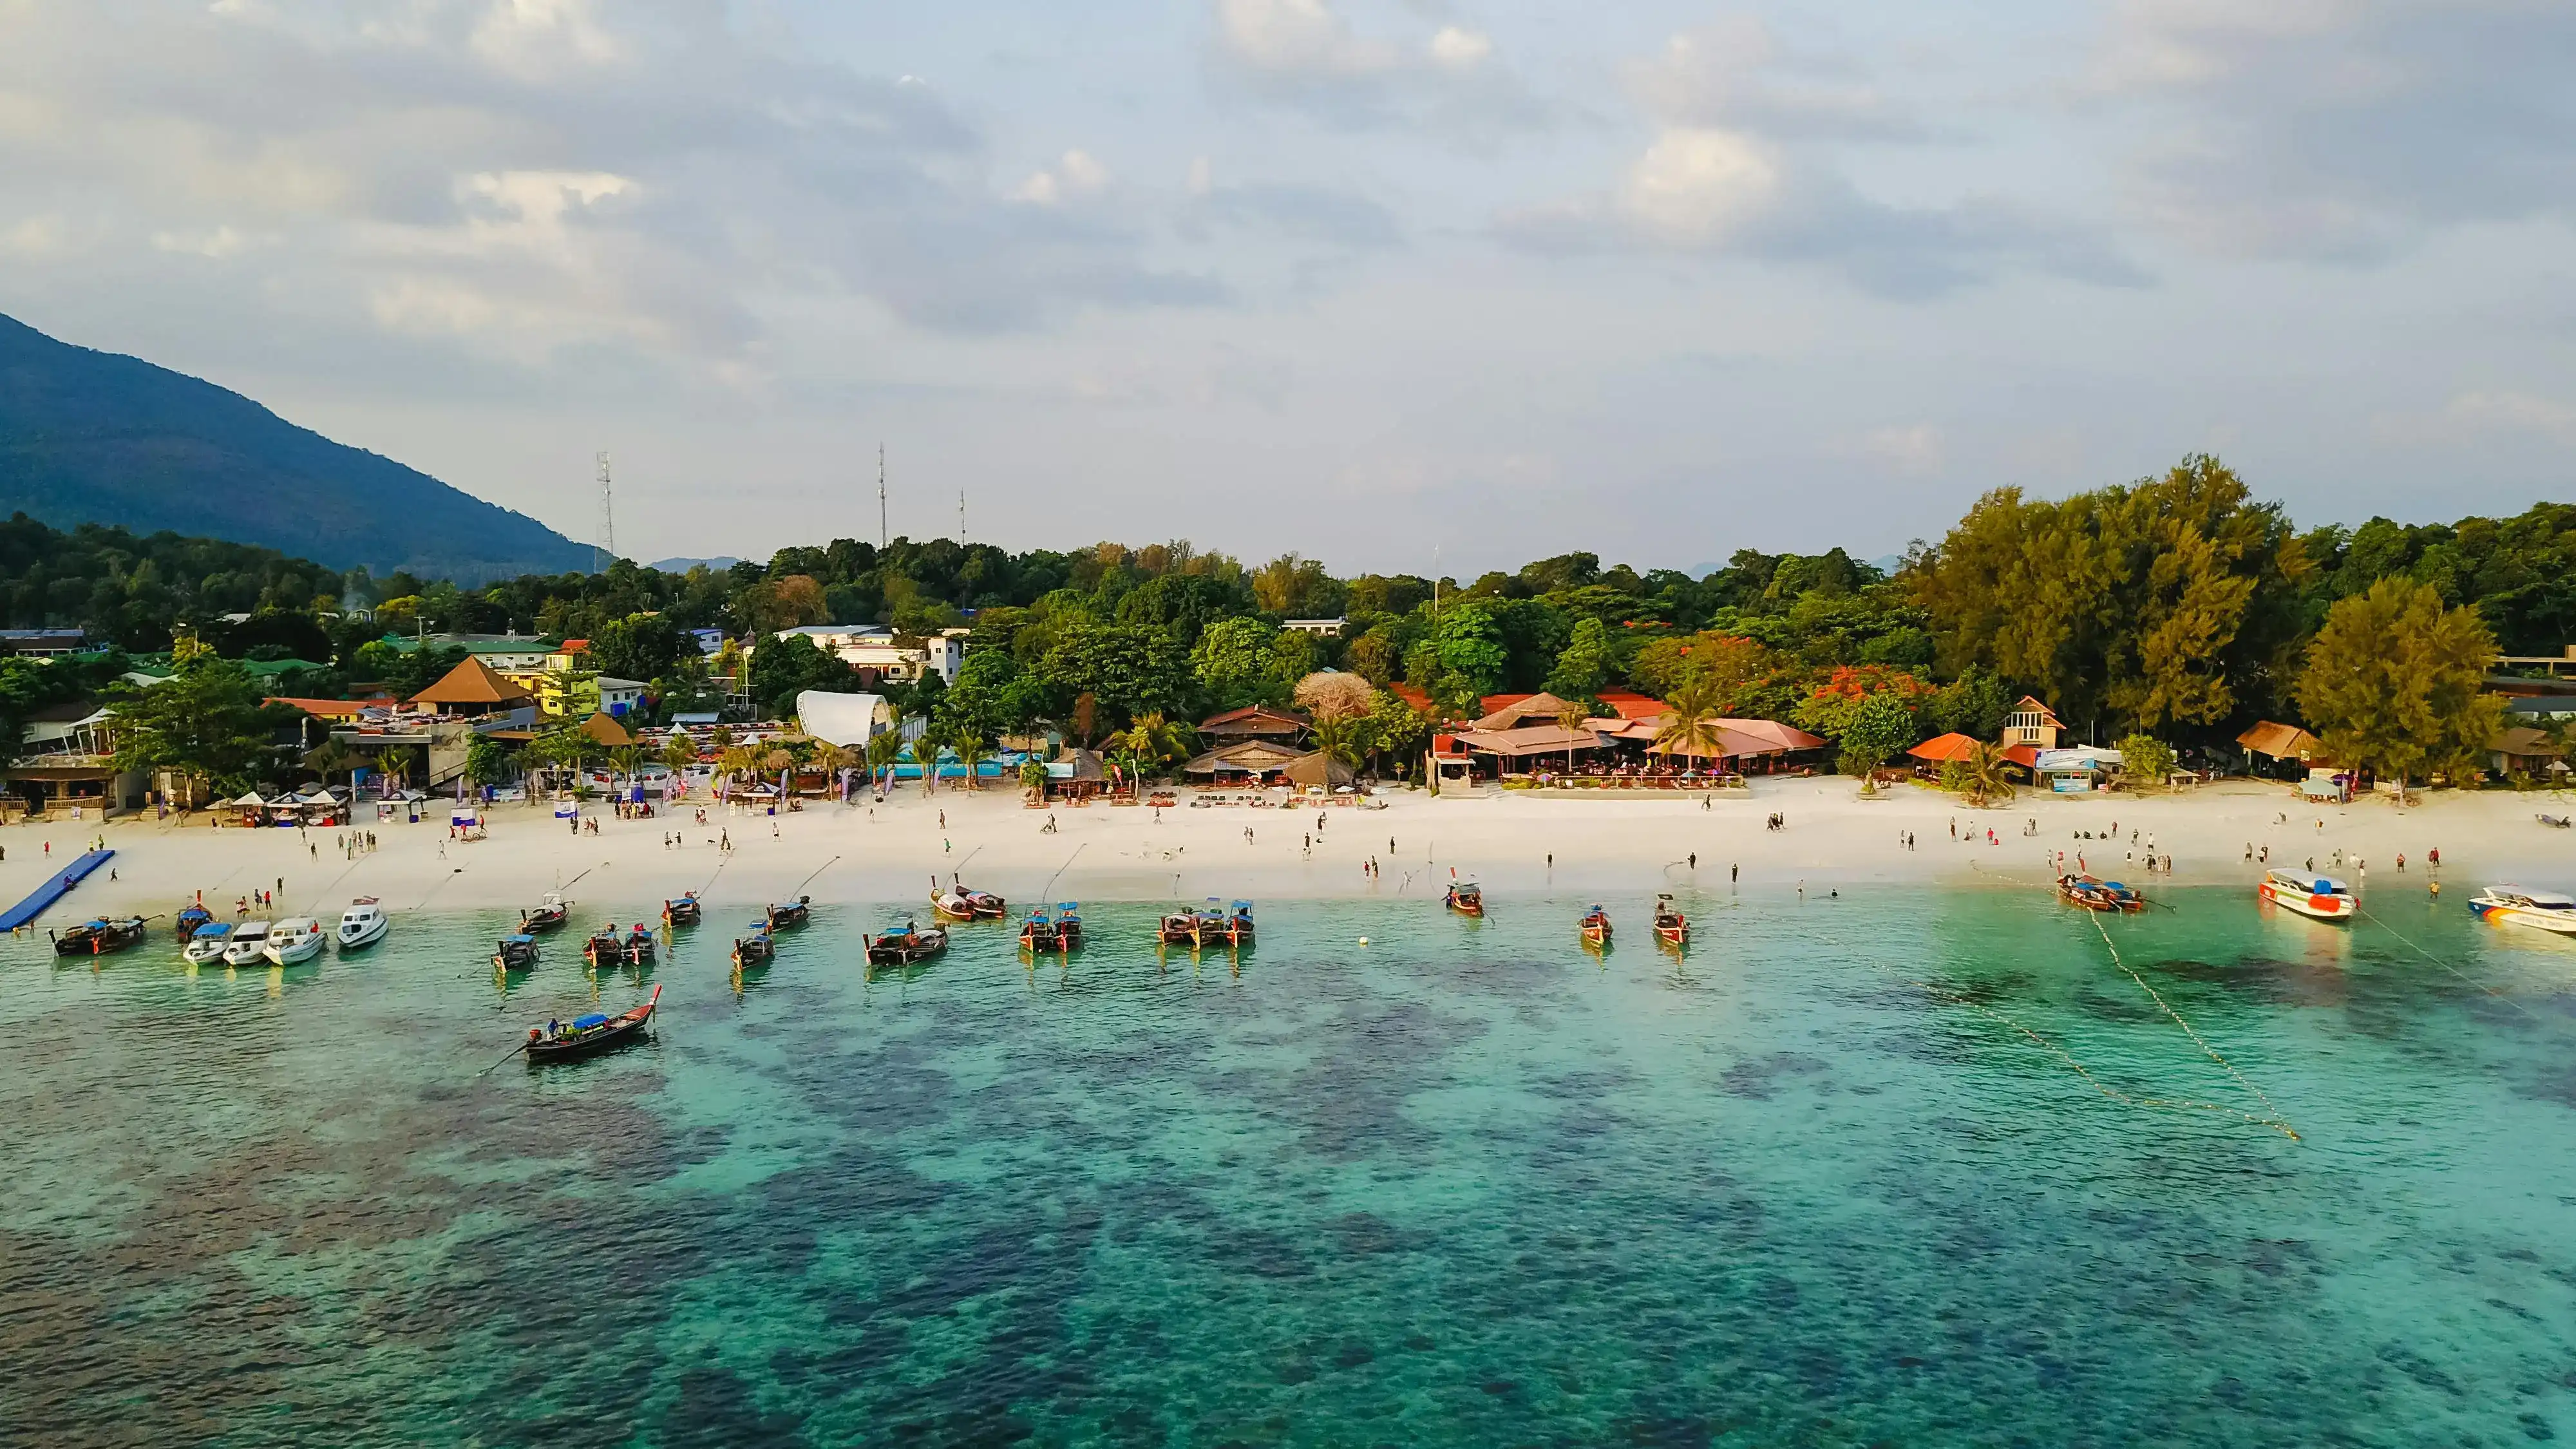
(1887, 1168)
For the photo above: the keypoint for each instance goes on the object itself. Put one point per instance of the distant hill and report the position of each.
(93, 437)
(717, 564)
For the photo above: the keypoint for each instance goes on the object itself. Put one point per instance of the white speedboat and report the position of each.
(297, 938)
(2511, 905)
(364, 923)
(2321, 896)
(249, 943)
(209, 942)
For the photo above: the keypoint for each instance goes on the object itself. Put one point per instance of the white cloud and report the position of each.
(1454, 48)
(2513, 411)
(1075, 177)
(1912, 451)
(1298, 38)
(1695, 188)
(217, 243)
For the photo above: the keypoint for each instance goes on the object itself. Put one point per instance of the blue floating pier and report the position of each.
(26, 911)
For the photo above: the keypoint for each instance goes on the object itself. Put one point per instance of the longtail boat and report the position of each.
(683, 911)
(515, 953)
(1068, 925)
(1238, 924)
(756, 949)
(904, 944)
(1180, 928)
(791, 913)
(640, 945)
(1039, 934)
(1596, 927)
(1671, 926)
(2099, 895)
(1466, 898)
(190, 918)
(589, 1035)
(605, 947)
(99, 938)
(950, 905)
(551, 914)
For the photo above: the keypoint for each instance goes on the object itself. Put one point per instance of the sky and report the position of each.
(1396, 284)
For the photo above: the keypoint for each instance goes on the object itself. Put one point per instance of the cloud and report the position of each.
(1910, 451)
(527, 176)
(2510, 411)
(2342, 129)
(1306, 55)
(1743, 162)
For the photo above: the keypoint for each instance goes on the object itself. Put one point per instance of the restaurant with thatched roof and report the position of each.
(473, 688)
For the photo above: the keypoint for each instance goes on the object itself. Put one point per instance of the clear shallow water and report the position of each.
(1469, 1185)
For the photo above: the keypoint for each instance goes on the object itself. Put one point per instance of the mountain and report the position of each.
(718, 564)
(93, 437)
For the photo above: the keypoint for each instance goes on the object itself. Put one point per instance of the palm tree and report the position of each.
(1338, 736)
(882, 748)
(970, 752)
(1570, 716)
(1157, 740)
(925, 748)
(1692, 729)
(735, 762)
(1987, 783)
(628, 759)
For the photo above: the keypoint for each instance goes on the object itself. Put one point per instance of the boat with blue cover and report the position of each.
(590, 1035)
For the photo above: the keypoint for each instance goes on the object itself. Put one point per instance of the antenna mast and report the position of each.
(606, 552)
(961, 518)
(884, 538)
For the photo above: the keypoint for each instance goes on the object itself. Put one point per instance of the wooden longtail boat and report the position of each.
(1596, 927)
(902, 945)
(552, 914)
(515, 953)
(1671, 926)
(99, 938)
(590, 1035)
(791, 913)
(1466, 898)
(2099, 895)
(756, 949)
(683, 911)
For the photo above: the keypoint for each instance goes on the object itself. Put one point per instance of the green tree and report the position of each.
(1586, 665)
(1974, 705)
(1876, 731)
(486, 762)
(2395, 683)
(2171, 601)
(1397, 729)
(1691, 729)
(1128, 670)
(785, 667)
(1472, 649)
(207, 725)
(2146, 761)
(1235, 661)
(642, 647)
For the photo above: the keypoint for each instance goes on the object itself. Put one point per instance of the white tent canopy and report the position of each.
(842, 719)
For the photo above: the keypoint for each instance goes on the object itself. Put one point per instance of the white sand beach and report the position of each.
(1512, 842)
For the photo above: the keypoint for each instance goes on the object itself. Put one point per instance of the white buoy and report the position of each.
(1363, 940)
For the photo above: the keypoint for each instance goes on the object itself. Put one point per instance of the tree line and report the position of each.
(2179, 607)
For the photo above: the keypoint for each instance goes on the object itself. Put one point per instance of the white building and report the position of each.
(884, 656)
(1326, 628)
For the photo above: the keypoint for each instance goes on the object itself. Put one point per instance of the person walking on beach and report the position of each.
(2401, 862)
(1733, 872)
(1694, 859)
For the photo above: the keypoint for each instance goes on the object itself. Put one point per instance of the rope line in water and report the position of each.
(2445, 965)
(2274, 1120)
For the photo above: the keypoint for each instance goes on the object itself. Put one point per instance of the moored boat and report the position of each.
(1671, 926)
(551, 914)
(1038, 933)
(2095, 894)
(950, 905)
(363, 924)
(515, 953)
(1596, 927)
(683, 911)
(99, 937)
(249, 943)
(209, 943)
(605, 947)
(1237, 924)
(985, 905)
(791, 913)
(904, 944)
(1180, 928)
(587, 1035)
(190, 918)
(640, 945)
(294, 940)
(1466, 898)
(756, 949)
(2512, 905)
(1068, 925)
(2320, 896)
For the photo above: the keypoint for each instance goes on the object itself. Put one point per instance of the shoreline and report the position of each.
(1624, 844)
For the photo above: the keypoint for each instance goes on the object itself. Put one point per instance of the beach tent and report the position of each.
(2280, 741)
(847, 720)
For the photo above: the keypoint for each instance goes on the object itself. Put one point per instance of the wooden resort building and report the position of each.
(1254, 722)
(473, 689)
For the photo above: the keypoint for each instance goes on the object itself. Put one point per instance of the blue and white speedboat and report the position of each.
(2511, 905)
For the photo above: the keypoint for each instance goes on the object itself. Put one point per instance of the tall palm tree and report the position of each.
(881, 750)
(1692, 729)
(1987, 782)
(734, 762)
(1338, 736)
(925, 748)
(970, 748)
(1570, 716)
(627, 759)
